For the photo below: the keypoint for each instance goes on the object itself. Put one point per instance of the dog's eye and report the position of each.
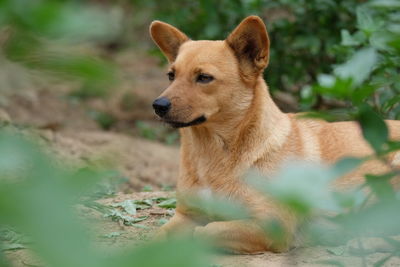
(204, 78)
(171, 76)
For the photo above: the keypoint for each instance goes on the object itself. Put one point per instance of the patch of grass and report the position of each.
(157, 132)
(104, 120)
(167, 188)
(147, 188)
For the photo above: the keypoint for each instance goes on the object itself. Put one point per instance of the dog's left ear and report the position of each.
(250, 43)
(168, 38)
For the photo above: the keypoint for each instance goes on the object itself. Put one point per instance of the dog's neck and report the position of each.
(256, 119)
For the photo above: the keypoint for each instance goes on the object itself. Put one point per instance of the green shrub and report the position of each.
(310, 38)
(370, 74)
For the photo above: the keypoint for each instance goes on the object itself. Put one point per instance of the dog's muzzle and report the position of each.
(162, 106)
(197, 121)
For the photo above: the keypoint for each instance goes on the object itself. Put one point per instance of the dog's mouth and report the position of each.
(177, 124)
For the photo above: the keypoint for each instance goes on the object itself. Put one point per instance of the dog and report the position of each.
(229, 123)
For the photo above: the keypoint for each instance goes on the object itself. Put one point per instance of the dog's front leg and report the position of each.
(179, 224)
(241, 236)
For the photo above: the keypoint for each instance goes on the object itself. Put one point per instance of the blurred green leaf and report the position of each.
(385, 3)
(380, 185)
(345, 165)
(301, 186)
(191, 254)
(381, 40)
(374, 129)
(330, 86)
(365, 20)
(42, 33)
(347, 39)
(217, 207)
(362, 93)
(350, 199)
(66, 20)
(3, 261)
(378, 219)
(359, 66)
(392, 102)
(41, 206)
(319, 115)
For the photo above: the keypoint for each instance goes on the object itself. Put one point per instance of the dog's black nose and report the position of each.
(161, 106)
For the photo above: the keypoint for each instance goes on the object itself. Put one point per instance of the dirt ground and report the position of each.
(75, 137)
(112, 235)
(72, 132)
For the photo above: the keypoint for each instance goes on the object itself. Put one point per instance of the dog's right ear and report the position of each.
(250, 43)
(168, 38)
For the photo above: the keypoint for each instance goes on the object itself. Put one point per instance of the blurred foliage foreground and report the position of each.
(38, 196)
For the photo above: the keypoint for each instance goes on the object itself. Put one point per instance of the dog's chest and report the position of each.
(212, 166)
(203, 170)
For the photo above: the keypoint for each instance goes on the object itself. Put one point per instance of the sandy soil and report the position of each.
(130, 236)
(69, 128)
(143, 162)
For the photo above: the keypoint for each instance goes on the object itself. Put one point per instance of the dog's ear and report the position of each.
(168, 38)
(250, 43)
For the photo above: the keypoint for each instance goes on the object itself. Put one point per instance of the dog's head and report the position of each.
(210, 80)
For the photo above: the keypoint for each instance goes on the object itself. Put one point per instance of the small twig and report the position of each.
(385, 259)
(159, 212)
(376, 101)
(121, 224)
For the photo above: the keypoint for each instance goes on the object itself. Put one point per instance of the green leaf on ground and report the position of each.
(127, 205)
(12, 246)
(143, 204)
(338, 251)
(168, 203)
(330, 263)
(112, 235)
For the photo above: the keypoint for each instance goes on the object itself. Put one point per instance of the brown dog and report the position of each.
(230, 124)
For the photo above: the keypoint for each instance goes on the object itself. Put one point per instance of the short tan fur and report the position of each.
(234, 125)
